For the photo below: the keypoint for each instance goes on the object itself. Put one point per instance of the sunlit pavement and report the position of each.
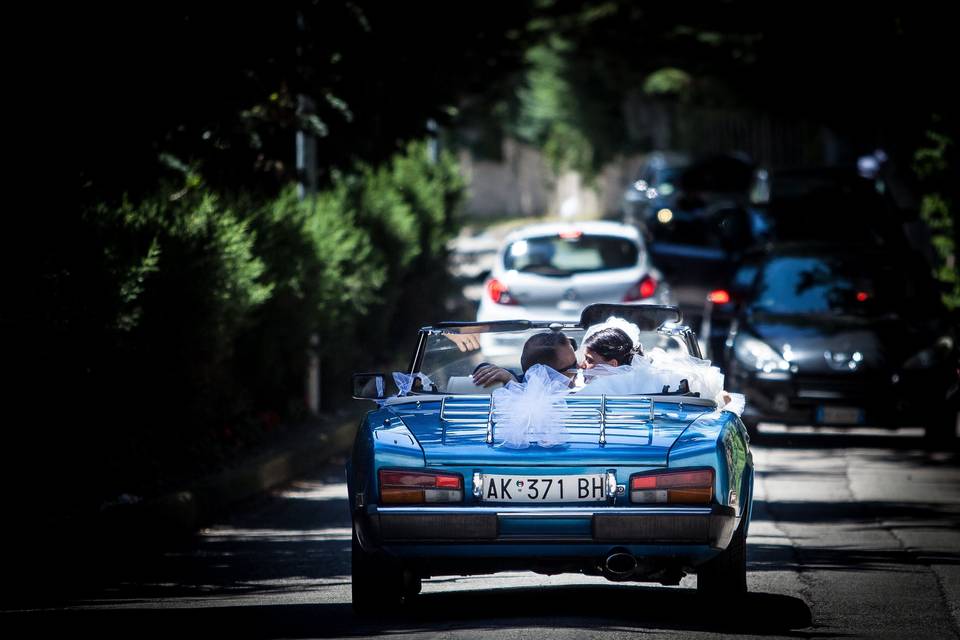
(854, 534)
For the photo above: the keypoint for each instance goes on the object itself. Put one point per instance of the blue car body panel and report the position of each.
(452, 538)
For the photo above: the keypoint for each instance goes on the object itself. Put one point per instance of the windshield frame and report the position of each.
(681, 333)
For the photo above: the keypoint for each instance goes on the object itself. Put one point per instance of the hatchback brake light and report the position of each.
(674, 487)
(416, 487)
(499, 292)
(642, 290)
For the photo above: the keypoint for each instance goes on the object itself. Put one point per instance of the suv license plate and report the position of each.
(839, 415)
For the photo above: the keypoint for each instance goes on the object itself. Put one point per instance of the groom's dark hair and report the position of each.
(544, 348)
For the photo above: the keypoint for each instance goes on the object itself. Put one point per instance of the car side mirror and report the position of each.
(369, 386)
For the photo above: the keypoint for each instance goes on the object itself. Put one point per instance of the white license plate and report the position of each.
(840, 415)
(532, 489)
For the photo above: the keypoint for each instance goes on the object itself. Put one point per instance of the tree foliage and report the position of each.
(224, 88)
(187, 313)
(935, 164)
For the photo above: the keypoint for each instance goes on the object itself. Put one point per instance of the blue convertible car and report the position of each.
(646, 487)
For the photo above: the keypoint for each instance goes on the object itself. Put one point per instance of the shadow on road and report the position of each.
(941, 453)
(899, 513)
(591, 608)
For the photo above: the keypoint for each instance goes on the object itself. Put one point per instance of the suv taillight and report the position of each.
(719, 296)
(416, 487)
(642, 290)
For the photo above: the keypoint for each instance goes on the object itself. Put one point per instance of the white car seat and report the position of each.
(464, 384)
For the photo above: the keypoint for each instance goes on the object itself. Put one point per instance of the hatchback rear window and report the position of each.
(555, 255)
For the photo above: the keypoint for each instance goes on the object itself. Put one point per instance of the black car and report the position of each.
(809, 205)
(843, 335)
(696, 217)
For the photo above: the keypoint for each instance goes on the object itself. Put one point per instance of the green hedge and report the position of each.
(935, 164)
(190, 312)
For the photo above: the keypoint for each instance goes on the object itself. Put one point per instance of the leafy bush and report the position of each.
(147, 301)
(340, 263)
(187, 315)
(935, 165)
(326, 274)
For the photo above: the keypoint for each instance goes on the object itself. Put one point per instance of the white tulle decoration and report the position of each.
(703, 378)
(404, 381)
(613, 322)
(649, 374)
(533, 411)
(736, 405)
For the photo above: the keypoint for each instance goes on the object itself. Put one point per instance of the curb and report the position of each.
(181, 513)
(76, 550)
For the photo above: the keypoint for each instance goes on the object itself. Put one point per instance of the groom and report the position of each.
(551, 348)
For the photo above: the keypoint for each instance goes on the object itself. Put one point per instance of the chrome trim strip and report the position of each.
(443, 427)
(437, 397)
(546, 512)
(490, 424)
(611, 482)
(603, 420)
(477, 484)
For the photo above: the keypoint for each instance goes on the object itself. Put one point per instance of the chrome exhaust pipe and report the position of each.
(619, 565)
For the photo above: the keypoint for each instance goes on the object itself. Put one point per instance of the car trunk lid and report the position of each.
(634, 430)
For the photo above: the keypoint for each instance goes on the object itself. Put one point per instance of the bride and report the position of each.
(614, 364)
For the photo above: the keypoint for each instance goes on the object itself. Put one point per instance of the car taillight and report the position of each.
(718, 296)
(676, 487)
(499, 293)
(642, 290)
(416, 487)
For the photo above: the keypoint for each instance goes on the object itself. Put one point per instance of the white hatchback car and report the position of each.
(552, 271)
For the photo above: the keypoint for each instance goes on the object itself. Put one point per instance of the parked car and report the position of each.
(843, 335)
(811, 204)
(552, 271)
(696, 217)
(655, 186)
(648, 487)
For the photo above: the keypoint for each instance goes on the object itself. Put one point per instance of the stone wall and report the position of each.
(523, 185)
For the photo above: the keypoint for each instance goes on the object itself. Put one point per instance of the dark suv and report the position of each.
(696, 218)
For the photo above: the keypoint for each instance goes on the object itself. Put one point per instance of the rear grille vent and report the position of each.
(603, 419)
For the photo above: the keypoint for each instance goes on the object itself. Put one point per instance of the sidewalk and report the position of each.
(74, 549)
(180, 513)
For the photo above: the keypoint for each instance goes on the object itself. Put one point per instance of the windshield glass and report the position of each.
(856, 285)
(555, 255)
(450, 358)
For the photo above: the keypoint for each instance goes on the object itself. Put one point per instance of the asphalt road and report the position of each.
(853, 536)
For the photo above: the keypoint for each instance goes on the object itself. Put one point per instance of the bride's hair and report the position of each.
(612, 343)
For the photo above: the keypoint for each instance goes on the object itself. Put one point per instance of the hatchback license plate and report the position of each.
(529, 489)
